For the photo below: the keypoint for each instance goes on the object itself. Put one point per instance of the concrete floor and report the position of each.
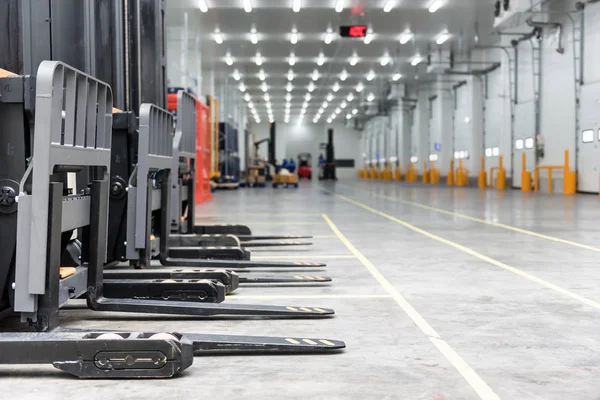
(512, 315)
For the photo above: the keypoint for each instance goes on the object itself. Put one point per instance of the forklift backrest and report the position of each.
(73, 120)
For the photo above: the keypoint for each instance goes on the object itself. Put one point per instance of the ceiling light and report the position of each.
(292, 59)
(304, 106)
(416, 60)
(268, 105)
(315, 75)
(228, 59)
(290, 75)
(253, 35)
(264, 87)
(248, 6)
(442, 37)
(369, 36)
(242, 87)
(371, 75)
(257, 120)
(296, 5)
(321, 59)
(315, 120)
(325, 104)
(218, 36)
(329, 120)
(261, 74)
(387, 7)
(288, 105)
(258, 59)
(329, 35)
(348, 116)
(344, 75)
(300, 120)
(338, 110)
(339, 6)
(370, 97)
(320, 111)
(289, 87)
(385, 60)
(288, 97)
(251, 106)
(311, 87)
(396, 76)
(236, 75)
(329, 97)
(247, 97)
(287, 119)
(336, 87)
(406, 36)
(354, 59)
(359, 87)
(267, 97)
(307, 97)
(436, 5)
(202, 5)
(294, 35)
(354, 112)
(343, 105)
(350, 96)
(271, 120)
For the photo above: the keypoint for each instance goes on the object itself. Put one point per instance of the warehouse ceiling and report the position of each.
(299, 40)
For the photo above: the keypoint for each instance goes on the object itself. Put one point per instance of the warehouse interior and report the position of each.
(328, 199)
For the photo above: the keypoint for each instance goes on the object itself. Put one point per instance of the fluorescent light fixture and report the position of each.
(336, 87)
(294, 35)
(261, 75)
(389, 4)
(296, 5)
(288, 97)
(292, 59)
(242, 87)
(253, 35)
(289, 87)
(258, 59)
(218, 36)
(339, 6)
(321, 59)
(370, 97)
(304, 107)
(344, 75)
(321, 110)
(311, 87)
(442, 38)
(325, 104)
(251, 106)
(267, 97)
(406, 36)
(338, 110)
(329, 35)
(202, 5)
(436, 5)
(268, 105)
(354, 59)
(354, 112)
(247, 97)
(348, 116)
(329, 120)
(371, 75)
(343, 105)
(315, 75)
(350, 96)
(228, 59)
(236, 75)
(385, 60)
(329, 97)
(290, 75)
(396, 77)
(307, 97)
(257, 120)
(368, 37)
(288, 105)
(264, 87)
(248, 6)
(416, 60)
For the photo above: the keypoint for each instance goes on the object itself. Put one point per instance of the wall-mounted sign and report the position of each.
(353, 31)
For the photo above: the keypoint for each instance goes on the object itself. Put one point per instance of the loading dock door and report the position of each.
(524, 140)
(588, 140)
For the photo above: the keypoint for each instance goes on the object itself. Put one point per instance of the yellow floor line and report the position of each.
(476, 382)
(263, 222)
(262, 214)
(301, 257)
(483, 221)
(316, 296)
(476, 254)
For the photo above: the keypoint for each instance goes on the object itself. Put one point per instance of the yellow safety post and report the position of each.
(462, 175)
(388, 173)
(500, 177)
(434, 173)
(525, 176)
(570, 178)
(373, 173)
(411, 173)
(425, 177)
(482, 177)
(450, 178)
(398, 172)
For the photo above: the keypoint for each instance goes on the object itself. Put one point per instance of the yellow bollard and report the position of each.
(425, 177)
(398, 172)
(450, 177)
(482, 177)
(501, 177)
(570, 177)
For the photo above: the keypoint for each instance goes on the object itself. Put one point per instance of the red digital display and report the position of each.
(353, 31)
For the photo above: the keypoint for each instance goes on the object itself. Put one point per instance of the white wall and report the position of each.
(293, 139)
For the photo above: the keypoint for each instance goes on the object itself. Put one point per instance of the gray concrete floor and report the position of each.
(523, 338)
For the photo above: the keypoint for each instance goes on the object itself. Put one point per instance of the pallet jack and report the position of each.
(71, 122)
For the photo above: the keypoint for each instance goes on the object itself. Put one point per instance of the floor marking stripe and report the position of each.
(302, 256)
(309, 296)
(476, 382)
(476, 254)
(482, 221)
